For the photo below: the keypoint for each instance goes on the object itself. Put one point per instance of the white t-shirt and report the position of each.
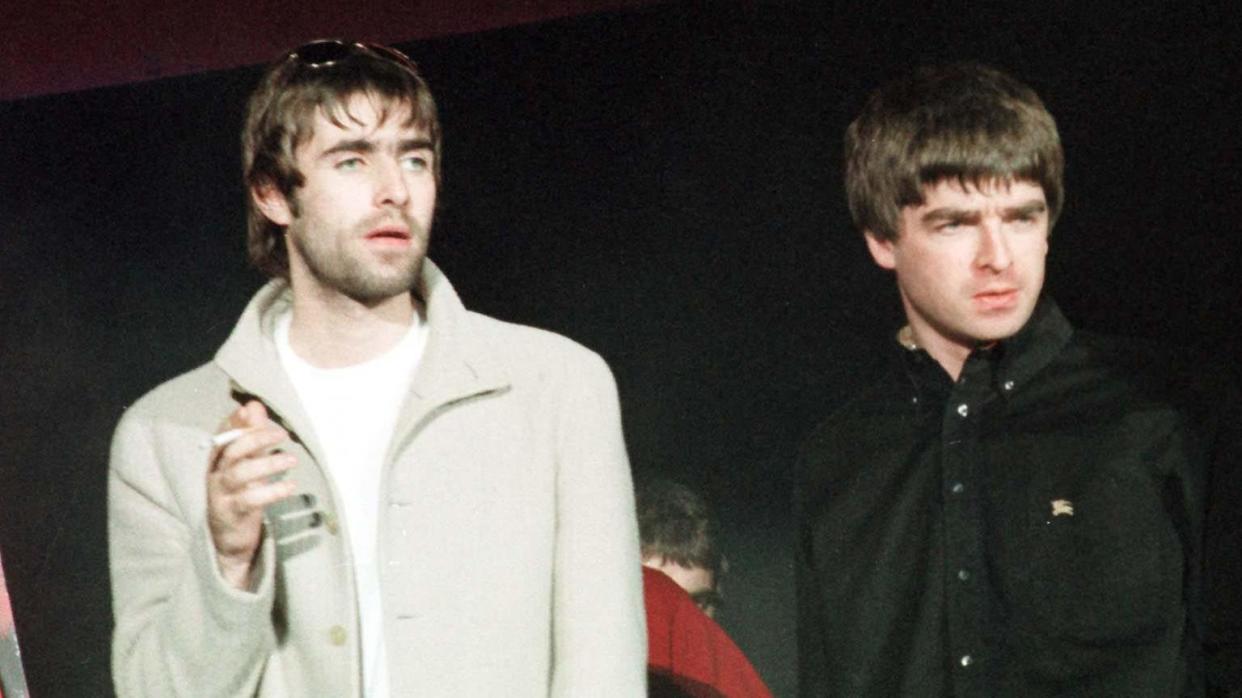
(353, 411)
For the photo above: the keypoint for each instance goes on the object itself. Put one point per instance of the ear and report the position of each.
(272, 203)
(882, 251)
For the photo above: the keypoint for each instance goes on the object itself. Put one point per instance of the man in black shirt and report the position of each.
(1013, 507)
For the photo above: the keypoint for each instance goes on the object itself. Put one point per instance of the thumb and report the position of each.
(254, 414)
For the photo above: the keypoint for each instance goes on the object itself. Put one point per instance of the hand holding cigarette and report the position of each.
(240, 484)
(225, 438)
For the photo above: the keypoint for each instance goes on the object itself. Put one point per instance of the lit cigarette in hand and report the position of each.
(225, 438)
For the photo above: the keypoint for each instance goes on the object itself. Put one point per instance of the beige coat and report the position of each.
(507, 533)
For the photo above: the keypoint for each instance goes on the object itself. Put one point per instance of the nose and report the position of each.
(993, 252)
(391, 188)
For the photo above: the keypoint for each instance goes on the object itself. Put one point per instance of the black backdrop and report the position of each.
(662, 185)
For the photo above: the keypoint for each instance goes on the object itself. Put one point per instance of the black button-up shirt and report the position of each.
(1039, 527)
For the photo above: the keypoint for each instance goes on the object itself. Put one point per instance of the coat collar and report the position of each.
(458, 361)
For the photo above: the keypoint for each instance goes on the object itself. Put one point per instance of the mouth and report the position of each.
(394, 236)
(996, 299)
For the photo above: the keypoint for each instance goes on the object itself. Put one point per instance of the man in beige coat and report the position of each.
(371, 491)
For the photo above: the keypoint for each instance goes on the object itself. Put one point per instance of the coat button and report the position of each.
(336, 635)
(330, 523)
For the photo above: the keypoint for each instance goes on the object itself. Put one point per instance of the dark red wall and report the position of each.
(63, 46)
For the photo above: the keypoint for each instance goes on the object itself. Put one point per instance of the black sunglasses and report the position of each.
(323, 53)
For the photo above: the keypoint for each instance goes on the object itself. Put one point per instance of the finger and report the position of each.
(250, 414)
(250, 444)
(254, 471)
(257, 497)
(238, 418)
(255, 414)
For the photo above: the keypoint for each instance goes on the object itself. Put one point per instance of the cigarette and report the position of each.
(225, 438)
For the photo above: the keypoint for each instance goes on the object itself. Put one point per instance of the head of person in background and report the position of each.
(678, 534)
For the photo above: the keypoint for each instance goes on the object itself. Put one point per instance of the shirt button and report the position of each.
(966, 660)
(1008, 385)
(963, 575)
(336, 635)
(957, 488)
(963, 409)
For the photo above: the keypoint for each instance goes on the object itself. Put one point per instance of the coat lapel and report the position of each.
(249, 358)
(457, 363)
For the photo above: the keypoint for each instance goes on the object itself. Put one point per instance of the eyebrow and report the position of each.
(364, 146)
(409, 144)
(1028, 209)
(970, 215)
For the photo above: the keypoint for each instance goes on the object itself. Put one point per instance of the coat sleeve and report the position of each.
(599, 632)
(180, 629)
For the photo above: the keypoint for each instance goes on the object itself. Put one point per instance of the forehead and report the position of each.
(692, 579)
(959, 194)
(361, 115)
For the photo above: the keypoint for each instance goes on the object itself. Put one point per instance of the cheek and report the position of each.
(938, 266)
(1035, 251)
(426, 193)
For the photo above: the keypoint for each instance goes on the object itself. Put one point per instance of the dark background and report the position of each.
(661, 184)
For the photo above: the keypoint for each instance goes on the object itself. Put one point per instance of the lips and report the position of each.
(392, 232)
(389, 235)
(997, 299)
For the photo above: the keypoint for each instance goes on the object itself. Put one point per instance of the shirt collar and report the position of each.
(1014, 360)
(1034, 346)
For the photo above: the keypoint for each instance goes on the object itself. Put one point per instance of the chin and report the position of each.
(985, 333)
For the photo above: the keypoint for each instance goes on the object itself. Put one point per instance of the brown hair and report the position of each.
(675, 523)
(966, 122)
(280, 116)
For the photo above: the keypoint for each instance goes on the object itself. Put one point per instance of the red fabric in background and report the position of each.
(689, 650)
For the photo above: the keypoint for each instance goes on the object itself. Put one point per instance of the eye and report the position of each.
(708, 601)
(1027, 220)
(349, 164)
(416, 163)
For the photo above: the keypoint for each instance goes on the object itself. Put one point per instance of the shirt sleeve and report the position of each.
(180, 628)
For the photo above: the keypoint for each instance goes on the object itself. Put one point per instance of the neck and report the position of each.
(334, 331)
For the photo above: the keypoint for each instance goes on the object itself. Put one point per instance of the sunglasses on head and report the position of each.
(328, 52)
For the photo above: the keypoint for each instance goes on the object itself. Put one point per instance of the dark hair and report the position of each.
(964, 122)
(676, 524)
(280, 117)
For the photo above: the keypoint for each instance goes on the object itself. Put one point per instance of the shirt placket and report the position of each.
(963, 545)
